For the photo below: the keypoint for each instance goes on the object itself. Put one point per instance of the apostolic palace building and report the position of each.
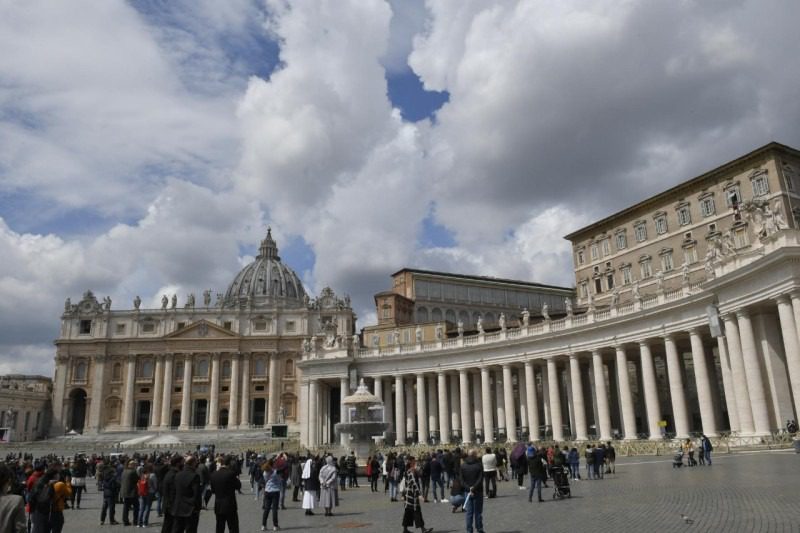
(683, 319)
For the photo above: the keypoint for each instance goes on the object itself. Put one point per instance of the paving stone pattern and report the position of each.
(744, 492)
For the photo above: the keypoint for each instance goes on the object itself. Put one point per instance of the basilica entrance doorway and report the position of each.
(175, 419)
(200, 413)
(142, 414)
(259, 411)
(223, 418)
(77, 410)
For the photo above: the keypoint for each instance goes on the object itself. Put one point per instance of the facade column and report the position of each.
(411, 409)
(377, 388)
(166, 393)
(213, 410)
(422, 411)
(245, 410)
(752, 365)
(313, 414)
(60, 422)
(477, 406)
(555, 399)
(96, 407)
(433, 403)
(532, 401)
(650, 390)
(273, 399)
(233, 403)
(676, 389)
(727, 384)
(791, 347)
(522, 401)
(466, 412)
(444, 415)
(388, 406)
(703, 383)
(186, 398)
(744, 411)
(577, 397)
(343, 390)
(486, 406)
(625, 396)
(158, 385)
(508, 399)
(454, 407)
(127, 406)
(500, 412)
(399, 411)
(602, 395)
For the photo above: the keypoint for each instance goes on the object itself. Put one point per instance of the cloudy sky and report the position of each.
(145, 146)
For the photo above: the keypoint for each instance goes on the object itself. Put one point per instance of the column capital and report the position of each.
(783, 299)
(506, 366)
(440, 372)
(694, 331)
(131, 357)
(644, 343)
(597, 351)
(668, 336)
(742, 313)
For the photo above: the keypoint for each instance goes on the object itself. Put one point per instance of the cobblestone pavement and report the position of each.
(743, 492)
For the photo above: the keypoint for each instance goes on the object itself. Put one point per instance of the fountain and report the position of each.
(364, 421)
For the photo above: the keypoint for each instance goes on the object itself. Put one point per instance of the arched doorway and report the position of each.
(77, 410)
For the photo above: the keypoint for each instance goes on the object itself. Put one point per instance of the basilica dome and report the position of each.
(266, 281)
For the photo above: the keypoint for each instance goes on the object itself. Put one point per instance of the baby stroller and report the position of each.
(560, 482)
(677, 459)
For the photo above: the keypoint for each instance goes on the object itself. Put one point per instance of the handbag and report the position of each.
(402, 486)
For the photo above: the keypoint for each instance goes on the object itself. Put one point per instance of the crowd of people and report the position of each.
(36, 492)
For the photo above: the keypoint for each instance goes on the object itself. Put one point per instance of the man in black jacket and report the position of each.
(167, 489)
(186, 507)
(472, 478)
(224, 484)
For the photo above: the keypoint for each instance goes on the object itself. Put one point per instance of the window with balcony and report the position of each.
(627, 277)
(690, 254)
(740, 239)
(646, 268)
(666, 262)
(733, 196)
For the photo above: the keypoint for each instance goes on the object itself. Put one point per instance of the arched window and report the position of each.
(488, 318)
(436, 314)
(422, 314)
(463, 316)
(226, 369)
(116, 372)
(450, 316)
(288, 368)
(475, 316)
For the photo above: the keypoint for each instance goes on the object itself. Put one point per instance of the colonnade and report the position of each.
(677, 382)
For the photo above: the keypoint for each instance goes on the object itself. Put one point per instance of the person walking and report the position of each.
(167, 490)
(79, 473)
(130, 498)
(537, 468)
(12, 506)
(110, 489)
(412, 511)
(472, 478)
(188, 498)
(146, 488)
(437, 477)
(295, 477)
(272, 495)
(328, 477)
(310, 485)
(375, 470)
(489, 461)
(224, 484)
(574, 461)
(611, 459)
(706, 448)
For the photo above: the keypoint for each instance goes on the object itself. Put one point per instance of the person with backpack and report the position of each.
(146, 488)
(110, 488)
(706, 448)
(12, 506)
(130, 499)
(47, 503)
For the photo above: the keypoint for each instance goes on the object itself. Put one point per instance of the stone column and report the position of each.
(531, 400)
(233, 405)
(96, 407)
(158, 385)
(625, 396)
(411, 410)
(433, 404)
(313, 414)
(791, 347)
(245, 410)
(522, 401)
(676, 389)
(477, 405)
(500, 416)
(454, 406)
(377, 388)
(650, 390)
(752, 366)
(399, 411)
(60, 420)
(422, 411)
(388, 406)
(577, 397)
(602, 395)
(127, 406)
(213, 410)
(727, 384)
(508, 399)
(486, 406)
(274, 398)
(344, 389)
(743, 409)
(186, 398)
(466, 412)
(555, 399)
(701, 375)
(444, 415)
(166, 393)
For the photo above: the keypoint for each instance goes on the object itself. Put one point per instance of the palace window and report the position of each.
(622, 241)
(666, 262)
(707, 206)
(581, 256)
(627, 278)
(760, 184)
(376, 341)
(733, 196)
(201, 368)
(640, 230)
(740, 239)
(85, 327)
(789, 176)
(684, 215)
(606, 246)
(661, 224)
(584, 289)
(387, 312)
(227, 325)
(609, 282)
(690, 254)
(594, 252)
(598, 285)
(646, 268)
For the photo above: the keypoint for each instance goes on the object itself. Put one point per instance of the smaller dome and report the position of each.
(266, 281)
